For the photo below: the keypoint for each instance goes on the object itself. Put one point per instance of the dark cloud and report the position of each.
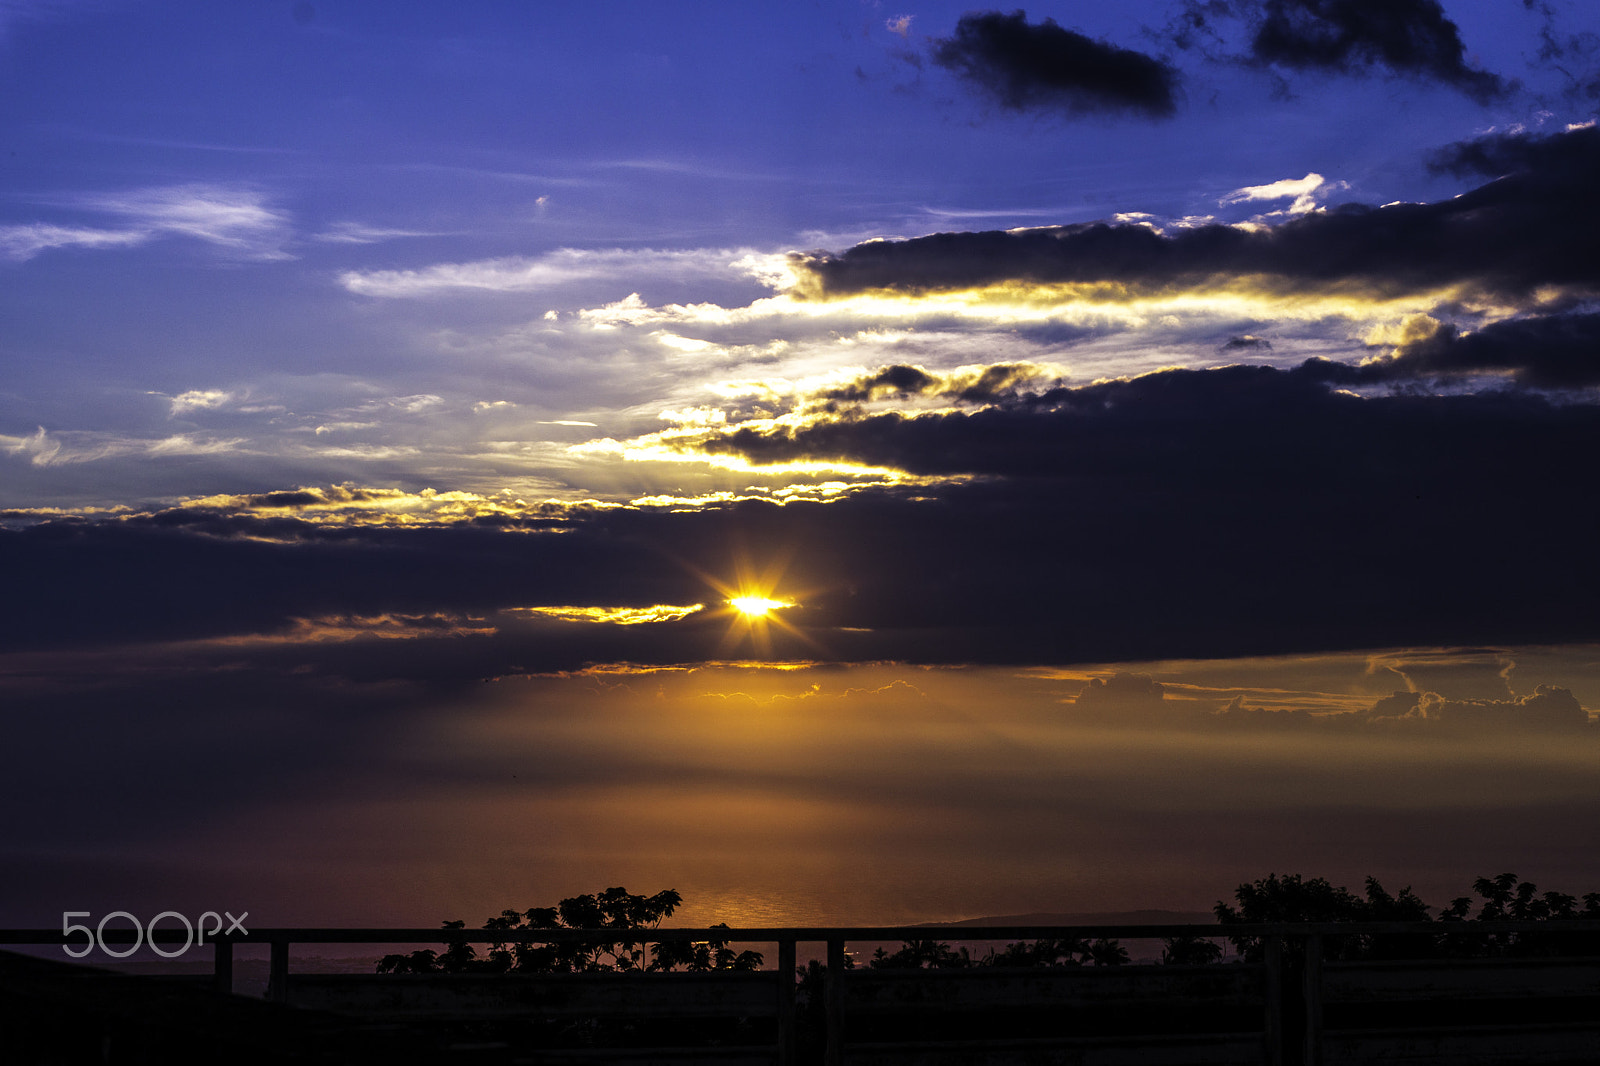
(897, 380)
(1247, 343)
(1242, 510)
(1187, 425)
(1407, 36)
(997, 381)
(1544, 352)
(1571, 54)
(186, 574)
(1570, 159)
(1204, 497)
(314, 497)
(1045, 67)
(1534, 228)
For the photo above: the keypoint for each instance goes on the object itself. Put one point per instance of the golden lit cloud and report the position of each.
(620, 616)
(342, 628)
(779, 494)
(1113, 305)
(1408, 330)
(696, 432)
(709, 667)
(832, 396)
(28, 516)
(355, 505)
(673, 447)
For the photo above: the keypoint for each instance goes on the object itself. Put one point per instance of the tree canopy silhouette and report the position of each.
(614, 910)
(1292, 898)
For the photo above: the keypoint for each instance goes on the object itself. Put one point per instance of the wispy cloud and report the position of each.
(18, 243)
(236, 219)
(186, 145)
(39, 447)
(560, 267)
(44, 448)
(357, 233)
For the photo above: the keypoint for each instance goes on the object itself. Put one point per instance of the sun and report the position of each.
(753, 607)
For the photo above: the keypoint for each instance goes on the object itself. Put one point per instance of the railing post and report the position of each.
(786, 1034)
(1272, 980)
(222, 965)
(278, 971)
(834, 995)
(1311, 993)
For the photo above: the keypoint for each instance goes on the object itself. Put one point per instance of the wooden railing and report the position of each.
(1289, 990)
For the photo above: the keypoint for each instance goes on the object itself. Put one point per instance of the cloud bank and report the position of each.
(1193, 513)
(1533, 228)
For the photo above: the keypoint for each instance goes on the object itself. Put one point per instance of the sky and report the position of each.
(1147, 441)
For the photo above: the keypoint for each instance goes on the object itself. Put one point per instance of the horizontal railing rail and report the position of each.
(774, 933)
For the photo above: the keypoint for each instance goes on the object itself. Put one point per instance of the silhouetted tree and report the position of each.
(422, 961)
(702, 957)
(614, 911)
(1291, 898)
(1071, 951)
(1189, 951)
(921, 955)
(1507, 898)
(1502, 898)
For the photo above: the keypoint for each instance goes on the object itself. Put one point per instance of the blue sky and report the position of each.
(395, 394)
(191, 194)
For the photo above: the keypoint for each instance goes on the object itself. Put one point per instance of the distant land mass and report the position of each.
(1145, 917)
